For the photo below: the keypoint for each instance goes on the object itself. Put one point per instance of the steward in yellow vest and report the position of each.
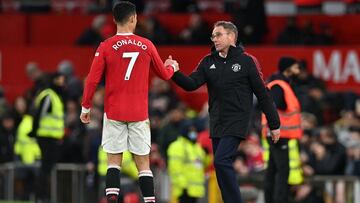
(49, 129)
(283, 157)
(26, 147)
(187, 161)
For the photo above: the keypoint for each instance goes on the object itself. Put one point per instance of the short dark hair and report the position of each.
(228, 26)
(122, 10)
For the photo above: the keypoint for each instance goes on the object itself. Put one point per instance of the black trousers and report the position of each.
(185, 198)
(277, 173)
(224, 156)
(50, 150)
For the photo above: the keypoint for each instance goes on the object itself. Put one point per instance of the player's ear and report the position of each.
(133, 18)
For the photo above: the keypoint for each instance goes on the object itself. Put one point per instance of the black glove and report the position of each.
(32, 134)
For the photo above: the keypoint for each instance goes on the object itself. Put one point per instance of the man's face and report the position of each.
(60, 81)
(294, 70)
(222, 38)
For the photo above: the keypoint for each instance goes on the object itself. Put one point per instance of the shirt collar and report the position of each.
(124, 33)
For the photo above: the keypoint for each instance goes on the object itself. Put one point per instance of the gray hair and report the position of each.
(227, 25)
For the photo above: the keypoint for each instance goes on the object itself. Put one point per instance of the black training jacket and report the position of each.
(231, 82)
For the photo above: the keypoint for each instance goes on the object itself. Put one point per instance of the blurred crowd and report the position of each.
(330, 120)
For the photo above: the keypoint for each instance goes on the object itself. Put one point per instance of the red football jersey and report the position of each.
(125, 60)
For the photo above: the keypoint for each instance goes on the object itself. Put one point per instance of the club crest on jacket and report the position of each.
(236, 67)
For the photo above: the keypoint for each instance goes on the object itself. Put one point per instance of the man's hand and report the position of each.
(275, 135)
(85, 117)
(171, 62)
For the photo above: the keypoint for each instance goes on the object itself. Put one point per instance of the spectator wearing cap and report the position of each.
(283, 157)
(48, 128)
(73, 85)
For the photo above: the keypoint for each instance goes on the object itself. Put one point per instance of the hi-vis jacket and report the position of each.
(51, 123)
(290, 128)
(26, 147)
(290, 119)
(186, 165)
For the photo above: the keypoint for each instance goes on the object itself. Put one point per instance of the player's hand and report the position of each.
(175, 65)
(171, 62)
(85, 117)
(275, 135)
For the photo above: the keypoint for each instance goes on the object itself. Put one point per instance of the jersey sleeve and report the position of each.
(94, 76)
(192, 82)
(157, 65)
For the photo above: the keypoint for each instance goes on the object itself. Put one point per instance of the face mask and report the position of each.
(192, 136)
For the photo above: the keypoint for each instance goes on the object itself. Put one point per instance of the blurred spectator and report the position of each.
(20, 108)
(353, 151)
(328, 155)
(73, 142)
(7, 137)
(311, 92)
(353, 6)
(183, 5)
(172, 127)
(308, 34)
(196, 31)
(308, 6)
(308, 124)
(251, 21)
(92, 36)
(3, 103)
(73, 86)
(162, 98)
(38, 77)
(254, 154)
(153, 30)
(291, 33)
(325, 35)
(35, 6)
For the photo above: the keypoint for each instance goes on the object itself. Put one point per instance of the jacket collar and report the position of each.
(233, 51)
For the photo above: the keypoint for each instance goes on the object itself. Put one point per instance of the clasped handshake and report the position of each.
(171, 62)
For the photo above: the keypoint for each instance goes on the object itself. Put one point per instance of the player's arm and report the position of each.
(194, 80)
(91, 82)
(158, 66)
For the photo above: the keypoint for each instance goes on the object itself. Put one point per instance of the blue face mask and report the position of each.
(192, 135)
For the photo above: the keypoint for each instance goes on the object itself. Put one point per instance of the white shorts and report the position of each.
(120, 136)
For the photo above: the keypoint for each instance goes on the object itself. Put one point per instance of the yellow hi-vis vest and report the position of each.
(52, 125)
(186, 165)
(295, 174)
(128, 166)
(26, 147)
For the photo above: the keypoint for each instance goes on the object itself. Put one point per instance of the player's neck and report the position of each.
(124, 29)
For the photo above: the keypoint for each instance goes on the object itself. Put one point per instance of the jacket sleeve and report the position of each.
(195, 80)
(278, 95)
(262, 93)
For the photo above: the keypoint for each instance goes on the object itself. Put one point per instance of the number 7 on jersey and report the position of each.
(133, 56)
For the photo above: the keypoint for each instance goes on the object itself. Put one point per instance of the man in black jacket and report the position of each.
(232, 77)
